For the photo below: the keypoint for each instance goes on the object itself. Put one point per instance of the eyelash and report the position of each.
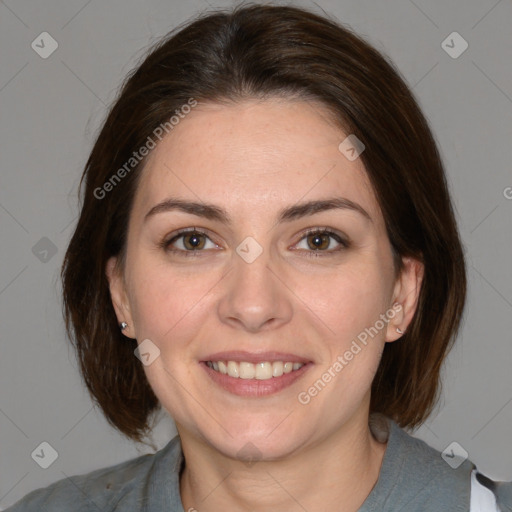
(344, 244)
(166, 243)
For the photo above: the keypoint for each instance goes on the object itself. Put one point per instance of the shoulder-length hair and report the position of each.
(263, 51)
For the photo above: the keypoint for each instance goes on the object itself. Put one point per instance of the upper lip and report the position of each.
(255, 357)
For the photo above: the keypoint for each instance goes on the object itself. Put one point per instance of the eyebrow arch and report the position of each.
(297, 211)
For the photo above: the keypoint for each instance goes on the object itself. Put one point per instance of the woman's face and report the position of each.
(249, 284)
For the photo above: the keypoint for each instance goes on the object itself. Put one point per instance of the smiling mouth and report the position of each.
(261, 371)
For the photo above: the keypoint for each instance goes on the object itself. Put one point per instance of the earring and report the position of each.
(123, 326)
(399, 331)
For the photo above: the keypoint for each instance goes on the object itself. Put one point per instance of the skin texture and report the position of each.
(253, 159)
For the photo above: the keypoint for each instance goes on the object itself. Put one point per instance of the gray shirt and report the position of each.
(413, 477)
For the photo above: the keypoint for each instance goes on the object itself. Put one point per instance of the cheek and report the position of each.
(347, 300)
(165, 300)
(354, 306)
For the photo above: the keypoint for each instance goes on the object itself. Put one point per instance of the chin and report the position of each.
(263, 440)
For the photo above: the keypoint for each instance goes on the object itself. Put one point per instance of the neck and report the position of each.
(339, 469)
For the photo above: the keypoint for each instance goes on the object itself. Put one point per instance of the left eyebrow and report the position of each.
(311, 207)
(288, 214)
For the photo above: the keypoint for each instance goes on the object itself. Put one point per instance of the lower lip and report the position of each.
(255, 387)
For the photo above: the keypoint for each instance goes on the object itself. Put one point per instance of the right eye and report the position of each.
(188, 242)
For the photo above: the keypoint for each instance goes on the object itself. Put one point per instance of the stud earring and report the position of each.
(399, 331)
(123, 326)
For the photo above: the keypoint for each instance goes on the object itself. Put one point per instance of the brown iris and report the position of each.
(197, 241)
(320, 241)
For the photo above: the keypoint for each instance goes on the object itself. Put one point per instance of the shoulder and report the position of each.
(101, 489)
(444, 475)
(411, 453)
(486, 495)
(416, 476)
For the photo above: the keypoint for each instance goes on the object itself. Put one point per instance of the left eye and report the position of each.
(320, 241)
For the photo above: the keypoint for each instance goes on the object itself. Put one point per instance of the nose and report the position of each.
(254, 297)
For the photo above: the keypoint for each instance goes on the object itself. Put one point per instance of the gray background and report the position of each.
(50, 111)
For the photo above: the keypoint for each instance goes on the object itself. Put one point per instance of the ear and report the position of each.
(119, 296)
(405, 294)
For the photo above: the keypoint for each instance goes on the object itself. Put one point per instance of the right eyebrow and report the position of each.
(208, 211)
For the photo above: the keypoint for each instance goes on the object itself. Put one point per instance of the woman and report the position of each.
(267, 250)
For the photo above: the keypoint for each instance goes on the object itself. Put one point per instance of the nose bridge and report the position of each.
(253, 274)
(254, 297)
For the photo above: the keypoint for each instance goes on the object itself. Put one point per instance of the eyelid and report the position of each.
(168, 240)
(340, 238)
(326, 230)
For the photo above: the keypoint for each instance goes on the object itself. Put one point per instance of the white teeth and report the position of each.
(247, 371)
(233, 369)
(260, 371)
(263, 371)
(277, 369)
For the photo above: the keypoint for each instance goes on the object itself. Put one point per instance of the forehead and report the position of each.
(257, 154)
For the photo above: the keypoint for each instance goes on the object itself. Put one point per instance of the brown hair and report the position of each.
(259, 51)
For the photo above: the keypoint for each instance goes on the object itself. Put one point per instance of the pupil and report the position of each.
(194, 241)
(318, 241)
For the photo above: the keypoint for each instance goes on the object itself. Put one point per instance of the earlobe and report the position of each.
(395, 329)
(118, 296)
